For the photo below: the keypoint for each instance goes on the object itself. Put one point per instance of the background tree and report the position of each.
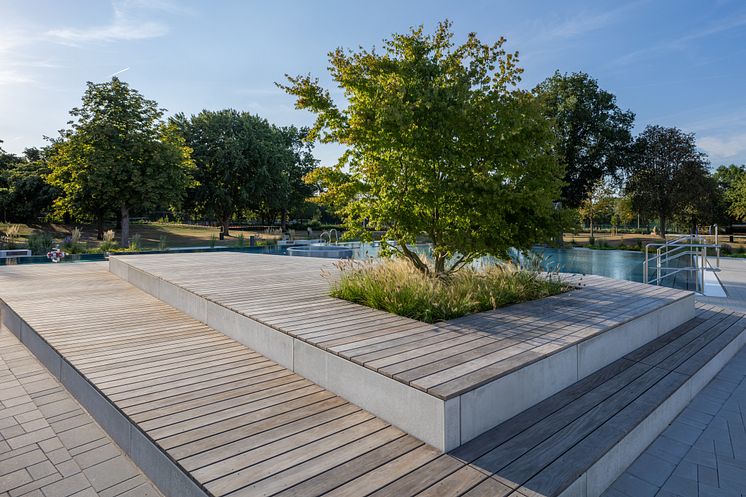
(119, 155)
(593, 133)
(444, 143)
(735, 196)
(25, 195)
(235, 155)
(668, 175)
(293, 160)
(599, 204)
(732, 202)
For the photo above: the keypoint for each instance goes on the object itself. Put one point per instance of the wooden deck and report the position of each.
(241, 425)
(444, 359)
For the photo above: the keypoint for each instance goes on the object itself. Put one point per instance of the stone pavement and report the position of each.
(49, 445)
(732, 276)
(703, 452)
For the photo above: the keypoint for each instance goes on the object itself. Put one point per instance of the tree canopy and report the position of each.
(668, 176)
(442, 142)
(244, 163)
(118, 154)
(593, 133)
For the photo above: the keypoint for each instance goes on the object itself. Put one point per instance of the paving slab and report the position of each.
(34, 457)
(689, 460)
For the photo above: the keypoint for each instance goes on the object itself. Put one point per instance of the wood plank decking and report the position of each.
(445, 359)
(239, 424)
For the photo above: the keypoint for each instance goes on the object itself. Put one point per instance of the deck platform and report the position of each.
(448, 379)
(204, 415)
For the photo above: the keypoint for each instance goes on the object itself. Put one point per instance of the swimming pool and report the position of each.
(618, 264)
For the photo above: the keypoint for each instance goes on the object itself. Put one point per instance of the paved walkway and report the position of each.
(49, 446)
(703, 452)
(732, 276)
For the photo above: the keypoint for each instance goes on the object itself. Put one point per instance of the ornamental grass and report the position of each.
(395, 286)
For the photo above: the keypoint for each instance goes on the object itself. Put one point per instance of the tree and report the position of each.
(119, 155)
(236, 156)
(593, 133)
(29, 195)
(293, 160)
(668, 176)
(598, 204)
(443, 142)
(731, 187)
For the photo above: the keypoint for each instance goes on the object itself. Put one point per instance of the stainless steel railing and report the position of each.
(695, 247)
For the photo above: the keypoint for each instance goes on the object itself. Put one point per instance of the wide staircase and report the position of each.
(202, 414)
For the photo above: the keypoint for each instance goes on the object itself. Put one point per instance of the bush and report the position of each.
(71, 244)
(39, 243)
(11, 236)
(135, 243)
(163, 243)
(108, 244)
(395, 286)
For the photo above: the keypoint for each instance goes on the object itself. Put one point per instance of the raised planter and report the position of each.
(444, 383)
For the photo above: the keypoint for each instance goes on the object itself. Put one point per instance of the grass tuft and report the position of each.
(393, 285)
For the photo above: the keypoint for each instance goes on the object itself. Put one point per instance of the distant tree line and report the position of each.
(120, 158)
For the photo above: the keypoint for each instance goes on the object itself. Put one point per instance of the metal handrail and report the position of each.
(693, 246)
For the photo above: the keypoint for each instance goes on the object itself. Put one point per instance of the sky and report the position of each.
(672, 62)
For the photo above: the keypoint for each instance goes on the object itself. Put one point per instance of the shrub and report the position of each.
(395, 286)
(40, 242)
(108, 244)
(240, 240)
(135, 243)
(11, 236)
(71, 244)
(163, 243)
(213, 238)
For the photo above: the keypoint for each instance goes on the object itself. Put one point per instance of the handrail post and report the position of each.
(658, 267)
(717, 248)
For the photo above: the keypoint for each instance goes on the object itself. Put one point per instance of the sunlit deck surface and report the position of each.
(445, 359)
(239, 424)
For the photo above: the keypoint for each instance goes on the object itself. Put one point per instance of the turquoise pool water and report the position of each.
(618, 264)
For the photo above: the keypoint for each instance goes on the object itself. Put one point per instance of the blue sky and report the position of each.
(672, 62)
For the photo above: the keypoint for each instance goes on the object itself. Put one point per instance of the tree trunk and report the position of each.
(663, 226)
(283, 219)
(226, 225)
(99, 226)
(125, 227)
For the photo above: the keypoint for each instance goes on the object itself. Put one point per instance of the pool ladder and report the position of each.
(693, 246)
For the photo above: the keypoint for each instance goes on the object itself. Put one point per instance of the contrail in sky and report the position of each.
(120, 72)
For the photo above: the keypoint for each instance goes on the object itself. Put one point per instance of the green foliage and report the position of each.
(72, 243)
(598, 204)
(24, 193)
(213, 239)
(669, 177)
(11, 235)
(40, 242)
(118, 156)
(732, 183)
(135, 244)
(244, 163)
(440, 141)
(396, 286)
(240, 240)
(163, 243)
(593, 133)
(108, 243)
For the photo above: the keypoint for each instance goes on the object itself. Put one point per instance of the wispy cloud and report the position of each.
(579, 23)
(724, 148)
(684, 41)
(126, 25)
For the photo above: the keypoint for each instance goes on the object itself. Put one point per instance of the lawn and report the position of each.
(176, 235)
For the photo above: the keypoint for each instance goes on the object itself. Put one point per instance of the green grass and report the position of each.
(393, 285)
